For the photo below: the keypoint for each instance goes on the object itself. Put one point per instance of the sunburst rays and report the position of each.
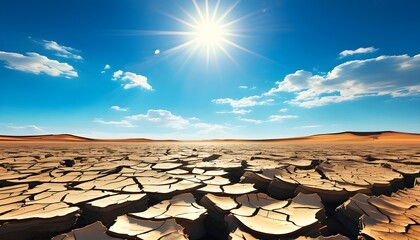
(208, 31)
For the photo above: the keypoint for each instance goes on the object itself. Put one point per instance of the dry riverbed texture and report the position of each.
(225, 190)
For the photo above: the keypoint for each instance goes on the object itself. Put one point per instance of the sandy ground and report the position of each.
(75, 189)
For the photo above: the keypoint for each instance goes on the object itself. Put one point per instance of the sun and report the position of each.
(208, 31)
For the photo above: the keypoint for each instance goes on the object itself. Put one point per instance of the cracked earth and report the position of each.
(228, 190)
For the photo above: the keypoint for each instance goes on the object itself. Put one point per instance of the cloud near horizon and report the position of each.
(27, 127)
(163, 117)
(272, 118)
(396, 76)
(35, 63)
(308, 126)
(122, 123)
(166, 119)
(131, 80)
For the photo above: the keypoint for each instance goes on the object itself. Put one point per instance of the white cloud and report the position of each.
(164, 117)
(36, 64)
(358, 51)
(135, 81)
(272, 118)
(118, 108)
(132, 79)
(27, 127)
(117, 74)
(251, 120)
(283, 110)
(279, 118)
(292, 82)
(246, 87)
(243, 102)
(62, 51)
(397, 76)
(310, 126)
(236, 111)
(106, 68)
(122, 123)
(169, 120)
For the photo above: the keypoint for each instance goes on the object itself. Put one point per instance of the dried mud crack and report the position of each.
(209, 191)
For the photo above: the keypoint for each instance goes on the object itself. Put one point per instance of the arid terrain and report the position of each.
(334, 186)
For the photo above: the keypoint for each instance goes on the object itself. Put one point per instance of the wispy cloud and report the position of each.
(132, 80)
(283, 110)
(62, 51)
(235, 111)
(118, 108)
(250, 120)
(122, 123)
(272, 118)
(247, 87)
(27, 127)
(36, 64)
(361, 50)
(396, 76)
(208, 128)
(243, 102)
(310, 126)
(166, 119)
(279, 118)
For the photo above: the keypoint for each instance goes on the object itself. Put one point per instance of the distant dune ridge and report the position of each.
(380, 136)
(66, 138)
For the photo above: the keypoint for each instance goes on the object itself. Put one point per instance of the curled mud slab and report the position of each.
(383, 217)
(205, 190)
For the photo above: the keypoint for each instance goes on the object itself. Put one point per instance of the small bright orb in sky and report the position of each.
(209, 33)
(208, 30)
(157, 51)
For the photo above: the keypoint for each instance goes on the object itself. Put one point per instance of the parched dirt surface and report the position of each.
(224, 190)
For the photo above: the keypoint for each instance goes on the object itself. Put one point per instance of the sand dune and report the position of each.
(354, 137)
(382, 136)
(52, 137)
(65, 138)
(386, 136)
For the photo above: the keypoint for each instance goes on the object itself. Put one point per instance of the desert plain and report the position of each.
(334, 186)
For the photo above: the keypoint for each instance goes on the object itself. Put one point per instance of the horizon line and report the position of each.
(141, 139)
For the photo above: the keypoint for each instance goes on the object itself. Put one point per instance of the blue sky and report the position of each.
(257, 69)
